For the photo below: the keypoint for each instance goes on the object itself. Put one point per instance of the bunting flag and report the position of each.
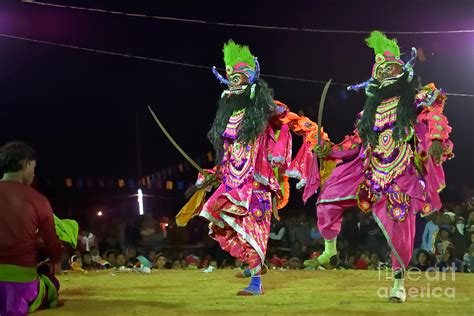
(169, 178)
(121, 183)
(148, 182)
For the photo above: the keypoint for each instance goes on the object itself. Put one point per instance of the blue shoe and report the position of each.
(251, 290)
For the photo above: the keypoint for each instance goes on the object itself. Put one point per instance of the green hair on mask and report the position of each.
(235, 53)
(379, 42)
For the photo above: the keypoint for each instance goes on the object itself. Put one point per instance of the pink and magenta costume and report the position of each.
(394, 180)
(240, 209)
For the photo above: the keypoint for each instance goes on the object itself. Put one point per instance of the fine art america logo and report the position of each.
(429, 283)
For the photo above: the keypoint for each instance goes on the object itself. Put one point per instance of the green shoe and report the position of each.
(312, 263)
(326, 260)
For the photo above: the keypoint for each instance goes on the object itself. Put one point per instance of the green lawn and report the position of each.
(175, 292)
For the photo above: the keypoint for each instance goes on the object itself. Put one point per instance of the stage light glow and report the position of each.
(140, 202)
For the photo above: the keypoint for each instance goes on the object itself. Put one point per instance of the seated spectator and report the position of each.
(94, 252)
(177, 264)
(458, 239)
(374, 262)
(160, 262)
(448, 261)
(169, 264)
(75, 263)
(296, 250)
(448, 221)
(278, 235)
(275, 262)
(97, 259)
(362, 262)
(121, 260)
(444, 235)
(131, 254)
(350, 264)
(315, 254)
(193, 262)
(294, 263)
(87, 263)
(424, 260)
(470, 223)
(430, 232)
(110, 257)
(459, 210)
(152, 255)
(469, 260)
(470, 239)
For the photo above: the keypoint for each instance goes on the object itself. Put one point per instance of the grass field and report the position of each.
(297, 292)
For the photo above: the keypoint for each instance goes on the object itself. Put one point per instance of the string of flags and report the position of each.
(170, 178)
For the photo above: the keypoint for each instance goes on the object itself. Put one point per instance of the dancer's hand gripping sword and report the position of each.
(210, 178)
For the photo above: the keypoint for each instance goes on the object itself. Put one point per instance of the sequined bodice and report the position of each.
(389, 159)
(238, 159)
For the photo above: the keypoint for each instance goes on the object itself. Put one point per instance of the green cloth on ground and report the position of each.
(67, 230)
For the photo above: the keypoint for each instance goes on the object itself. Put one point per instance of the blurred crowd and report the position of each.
(444, 241)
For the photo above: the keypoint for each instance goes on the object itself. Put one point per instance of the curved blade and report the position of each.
(321, 108)
(181, 151)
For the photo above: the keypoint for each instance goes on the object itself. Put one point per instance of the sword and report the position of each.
(173, 142)
(320, 116)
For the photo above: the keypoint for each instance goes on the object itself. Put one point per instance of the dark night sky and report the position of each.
(78, 108)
